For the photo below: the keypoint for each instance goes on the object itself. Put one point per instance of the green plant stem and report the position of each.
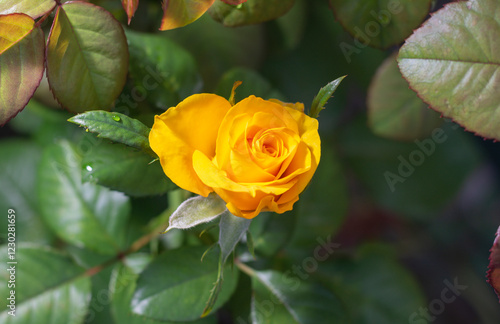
(246, 269)
(41, 20)
(134, 247)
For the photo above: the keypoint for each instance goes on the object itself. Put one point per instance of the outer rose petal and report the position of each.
(308, 128)
(180, 131)
(297, 106)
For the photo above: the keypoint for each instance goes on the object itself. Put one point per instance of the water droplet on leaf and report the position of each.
(88, 167)
(116, 118)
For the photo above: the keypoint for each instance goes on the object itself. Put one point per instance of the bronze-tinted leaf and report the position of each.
(87, 59)
(21, 63)
(179, 13)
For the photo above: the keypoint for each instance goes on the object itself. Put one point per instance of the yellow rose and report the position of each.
(257, 155)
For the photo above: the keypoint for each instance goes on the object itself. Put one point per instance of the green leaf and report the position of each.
(124, 169)
(272, 232)
(43, 124)
(44, 280)
(250, 244)
(32, 8)
(249, 12)
(380, 23)
(19, 161)
(35, 117)
(83, 214)
(85, 257)
(21, 62)
(179, 279)
(452, 63)
(116, 127)
(100, 308)
(284, 298)
(179, 13)
(373, 286)
(197, 210)
(122, 287)
(231, 230)
(87, 59)
(163, 72)
(405, 116)
(325, 93)
(252, 84)
(291, 26)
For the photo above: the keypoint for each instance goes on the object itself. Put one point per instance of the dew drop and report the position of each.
(116, 118)
(88, 167)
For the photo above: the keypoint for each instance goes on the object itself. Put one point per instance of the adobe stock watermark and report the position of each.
(293, 277)
(436, 307)
(425, 148)
(372, 29)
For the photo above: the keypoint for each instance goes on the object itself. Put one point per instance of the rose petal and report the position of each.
(308, 130)
(301, 164)
(257, 110)
(267, 203)
(251, 164)
(303, 160)
(287, 143)
(299, 106)
(181, 130)
(241, 168)
(216, 178)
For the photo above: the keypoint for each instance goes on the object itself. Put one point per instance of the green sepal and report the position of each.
(231, 230)
(250, 244)
(214, 293)
(325, 93)
(197, 210)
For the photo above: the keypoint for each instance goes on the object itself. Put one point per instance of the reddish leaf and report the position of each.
(87, 59)
(494, 267)
(130, 7)
(21, 63)
(179, 13)
(234, 2)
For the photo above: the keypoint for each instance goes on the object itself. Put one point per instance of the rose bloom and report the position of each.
(257, 155)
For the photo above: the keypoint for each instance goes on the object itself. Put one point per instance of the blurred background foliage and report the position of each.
(391, 249)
